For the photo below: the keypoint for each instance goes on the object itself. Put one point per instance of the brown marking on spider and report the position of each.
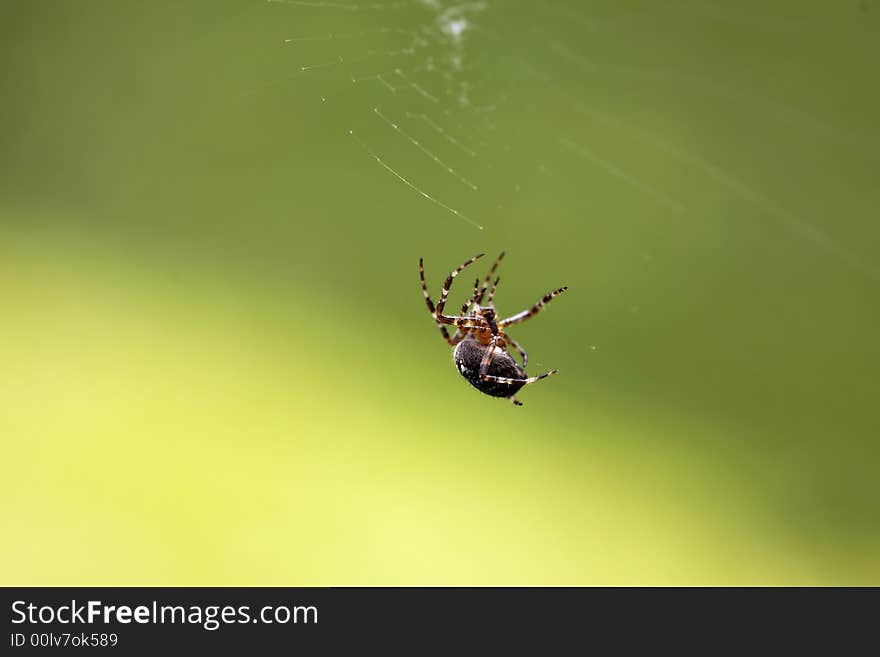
(480, 341)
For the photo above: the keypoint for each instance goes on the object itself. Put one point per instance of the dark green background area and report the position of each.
(216, 366)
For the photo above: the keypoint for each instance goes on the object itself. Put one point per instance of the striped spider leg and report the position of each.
(497, 343)
(462, 322)
(534, 310)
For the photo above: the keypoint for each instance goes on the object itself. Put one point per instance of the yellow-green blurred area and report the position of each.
(216, 366)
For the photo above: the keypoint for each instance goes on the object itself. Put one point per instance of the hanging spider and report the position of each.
(480, 341)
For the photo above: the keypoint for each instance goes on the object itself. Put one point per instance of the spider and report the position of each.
(480, 341)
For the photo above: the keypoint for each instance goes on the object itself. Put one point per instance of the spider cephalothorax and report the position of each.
(480, 341)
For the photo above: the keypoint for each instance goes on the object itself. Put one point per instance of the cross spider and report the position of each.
(480, 341)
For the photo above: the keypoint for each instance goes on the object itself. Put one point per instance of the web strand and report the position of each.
(418, 144)
(404, 180)
(439, 129)
(617, 172)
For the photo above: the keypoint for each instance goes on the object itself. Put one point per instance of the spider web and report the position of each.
(461, 104)
(403, 80)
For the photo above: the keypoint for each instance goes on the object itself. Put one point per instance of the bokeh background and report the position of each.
(216, 366)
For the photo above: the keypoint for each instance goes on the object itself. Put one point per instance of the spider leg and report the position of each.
(463, 323)
(534, 310)
(467, 322)
(457, 337)
(463, 326)
(489, 278)
(522, 352)
(431, 309)
(492, 291)
(487, 359)
(531, 379)
(467, 304)
(425, 292)
(444, 293)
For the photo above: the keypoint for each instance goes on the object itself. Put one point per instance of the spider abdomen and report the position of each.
(469, 354)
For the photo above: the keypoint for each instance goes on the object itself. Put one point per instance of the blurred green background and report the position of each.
(216, 366)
